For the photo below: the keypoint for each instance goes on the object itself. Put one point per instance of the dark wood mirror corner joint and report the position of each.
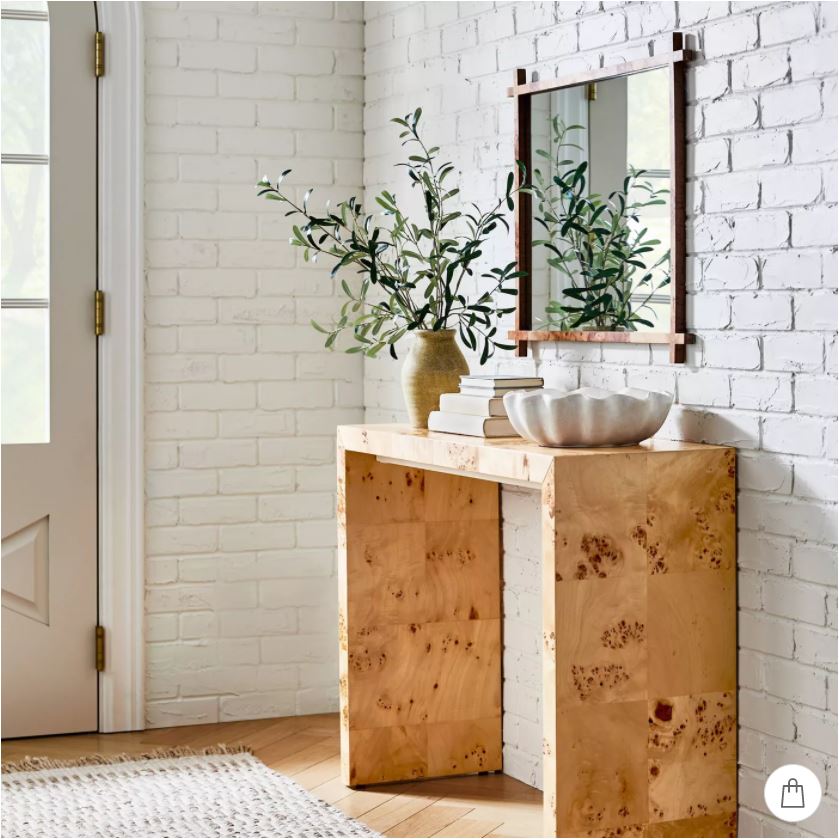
(678, 337)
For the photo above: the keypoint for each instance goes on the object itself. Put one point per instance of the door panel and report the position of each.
(49, 559)
(26, 571)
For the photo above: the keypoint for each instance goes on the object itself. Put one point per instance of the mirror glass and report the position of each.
(600, 177)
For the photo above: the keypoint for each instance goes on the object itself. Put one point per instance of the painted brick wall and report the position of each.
(242, 401)
(762, 299)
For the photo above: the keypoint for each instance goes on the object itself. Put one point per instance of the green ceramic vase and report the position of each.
(433, 366)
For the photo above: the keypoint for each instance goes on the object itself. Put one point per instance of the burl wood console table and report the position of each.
(640, 720)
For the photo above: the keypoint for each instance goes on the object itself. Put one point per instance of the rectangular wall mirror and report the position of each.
(601, 227)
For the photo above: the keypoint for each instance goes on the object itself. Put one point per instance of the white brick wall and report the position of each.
(762, 299)
(242, 400)
(522, 574)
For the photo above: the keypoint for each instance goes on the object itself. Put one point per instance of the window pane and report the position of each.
(655, 219)
(25, 236)
(25, 75)
(25, 371)
(648, 120)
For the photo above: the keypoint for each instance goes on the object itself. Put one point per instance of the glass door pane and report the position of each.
(25, 230)
(25, 62)
(25, 351)
(24, 223)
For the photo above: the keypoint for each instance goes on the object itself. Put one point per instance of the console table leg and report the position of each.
(420, 622)
(640, 645)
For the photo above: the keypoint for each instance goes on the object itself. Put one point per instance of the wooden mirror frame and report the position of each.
(521, 91)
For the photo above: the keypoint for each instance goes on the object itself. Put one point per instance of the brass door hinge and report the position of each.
(99, 55)
(99, 312)
(591, 91)
(100, 648)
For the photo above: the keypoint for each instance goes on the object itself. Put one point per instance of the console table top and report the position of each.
(508, 459)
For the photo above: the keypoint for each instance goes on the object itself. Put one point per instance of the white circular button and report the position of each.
(792, 793)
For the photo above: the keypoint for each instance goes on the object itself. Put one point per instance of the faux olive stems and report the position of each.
(413, 276)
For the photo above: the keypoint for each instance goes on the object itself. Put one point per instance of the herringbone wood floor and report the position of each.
(307, 749)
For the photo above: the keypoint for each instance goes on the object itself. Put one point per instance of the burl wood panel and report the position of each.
(640, 644)
(639, 623)
(420, 591)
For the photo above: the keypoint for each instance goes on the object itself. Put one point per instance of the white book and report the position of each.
(493, 382)
(496, 391)
(479, 406)
(472, 426)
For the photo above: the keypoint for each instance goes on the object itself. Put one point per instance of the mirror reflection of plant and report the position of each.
(592, 242)
(412, 273)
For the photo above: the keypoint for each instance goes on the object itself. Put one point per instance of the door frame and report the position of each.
(120, 368)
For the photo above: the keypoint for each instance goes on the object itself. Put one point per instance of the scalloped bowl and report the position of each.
(588, 416)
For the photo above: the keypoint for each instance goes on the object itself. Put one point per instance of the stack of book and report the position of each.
(478, 410)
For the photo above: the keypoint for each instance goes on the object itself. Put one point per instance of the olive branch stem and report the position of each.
(411, 273)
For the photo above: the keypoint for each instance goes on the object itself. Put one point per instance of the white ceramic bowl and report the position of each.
(588, 416)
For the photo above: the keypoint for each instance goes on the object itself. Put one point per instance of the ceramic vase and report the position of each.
(433, 367)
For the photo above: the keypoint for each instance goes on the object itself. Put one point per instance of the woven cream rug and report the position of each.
(223, 791)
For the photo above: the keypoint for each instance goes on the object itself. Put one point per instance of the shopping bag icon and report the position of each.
(792, 794)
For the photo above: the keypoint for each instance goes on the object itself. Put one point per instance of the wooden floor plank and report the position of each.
(186, 735)
(331, 791)
(275, 754)
(522, 825)
(307, 748)
(360, 802)
(428, 821)
(299, 761)
(503, 811)
(320, 773)
(229, 733)
(279, 730)
(468, 826)
(399, 808)
(324, 724)
(495, 786)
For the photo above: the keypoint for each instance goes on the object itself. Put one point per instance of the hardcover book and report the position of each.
(495, 391)
(480, 406)
(472, 426)
(490, 381)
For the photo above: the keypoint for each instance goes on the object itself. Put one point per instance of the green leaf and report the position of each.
(410, 273)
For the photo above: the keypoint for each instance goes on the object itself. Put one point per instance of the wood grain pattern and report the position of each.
(602, 337)
(639, 679)
(724, 824)
(507, 459)
(645, 645)
(688, 789)
(691, 502)
(603, 653)
(601, 766)
(420, 622)
(691, 626)
(550, 576)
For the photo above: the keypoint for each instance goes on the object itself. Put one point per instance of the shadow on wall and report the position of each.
(700, 426)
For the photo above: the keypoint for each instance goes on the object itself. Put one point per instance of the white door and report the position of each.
(49, 544)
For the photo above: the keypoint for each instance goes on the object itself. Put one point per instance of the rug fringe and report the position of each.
(34, 764)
